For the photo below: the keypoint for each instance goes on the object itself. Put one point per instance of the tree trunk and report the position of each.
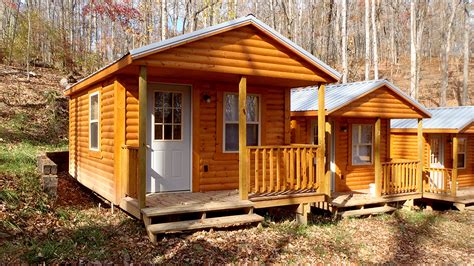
(467, 27)
(367, 41)
(413, 87)
(345, 69)
(164, 20)
(445, 54)
(28, 10)
(374, 42)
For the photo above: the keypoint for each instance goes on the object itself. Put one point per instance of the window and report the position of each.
(94, 116)
(462, 153)
(168, 115)
(314, 132)
(231, 121)
(362, 144)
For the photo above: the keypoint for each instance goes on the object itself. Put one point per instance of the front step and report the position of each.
(367, 211)
(217, 222)
(197, 208)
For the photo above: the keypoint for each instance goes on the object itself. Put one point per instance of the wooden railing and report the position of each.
(399, 177)
(130, 171)
(282, 168)
(437, 180)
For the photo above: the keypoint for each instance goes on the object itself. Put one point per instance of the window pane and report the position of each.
(355, 134)
(362, 154)
(177, 100)
(231, 103)
(461, 160)
(158, 99)
(252, 135)
(168, 132)
(461, 145)
(366, 134)
(177, 132)
(94, 105)
(167, 113)
(252, 108)
(231, 137)
(167, 101)
(177, 116)
(158, 132)
(158, 115)
(94, 135)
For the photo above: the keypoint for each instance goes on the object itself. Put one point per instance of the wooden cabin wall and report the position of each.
(94, 170)
(404, 146)
(222, 168)
(466, 175)
(301, 130)
(354, 177)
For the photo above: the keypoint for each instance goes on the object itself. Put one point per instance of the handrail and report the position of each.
(282, 168)
(400, 177)
(437, 179)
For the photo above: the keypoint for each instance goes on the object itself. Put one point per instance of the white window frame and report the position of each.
(94, 121)
(172, 123)
(463, 152)
(224, 122)
(359, 127)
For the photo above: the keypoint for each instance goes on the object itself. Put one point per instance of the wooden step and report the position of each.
(368, 211)
(196, 208)
(216, 222)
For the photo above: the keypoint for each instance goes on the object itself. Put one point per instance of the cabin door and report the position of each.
(330, 149)
(169, 147)
(436, 161)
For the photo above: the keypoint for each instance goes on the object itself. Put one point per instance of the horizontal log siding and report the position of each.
(223, 168)
(466, 176)
(244, 51)
(353, 177)
(382, 102)
(94, 172)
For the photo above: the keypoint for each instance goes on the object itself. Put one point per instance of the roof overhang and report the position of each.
(138, 53)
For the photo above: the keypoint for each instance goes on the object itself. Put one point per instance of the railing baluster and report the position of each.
(264, 170)
(292, 169)
(271, 171)
(303, 168)
(256, 171)
(310, 168)
(278, 186)
(287, 168)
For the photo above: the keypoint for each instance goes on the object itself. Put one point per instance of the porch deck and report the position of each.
(463, 196)
(363, 197)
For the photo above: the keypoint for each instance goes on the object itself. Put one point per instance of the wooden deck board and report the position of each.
(367, 211)
(463, 196)
(362, 197)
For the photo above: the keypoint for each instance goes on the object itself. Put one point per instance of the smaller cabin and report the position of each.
(448, 151)
(358, 136)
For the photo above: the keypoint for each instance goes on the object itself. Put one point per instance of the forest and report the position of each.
(422, 46)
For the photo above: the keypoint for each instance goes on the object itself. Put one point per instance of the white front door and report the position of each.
(169, 142)
(436, 161)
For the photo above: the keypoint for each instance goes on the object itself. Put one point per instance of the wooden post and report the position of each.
(321, 140)
(377, 158)
(243, 184)
(455, 166)
(142, 136)
(328, 152)
(420, 154)
(119, 140)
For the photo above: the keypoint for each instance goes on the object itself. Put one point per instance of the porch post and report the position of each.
(377, 158)
(243, 184)
(420, 154)
(455, 166)
(321, 162)
(142, 136)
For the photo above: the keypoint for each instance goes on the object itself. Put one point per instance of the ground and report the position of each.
(78, 227)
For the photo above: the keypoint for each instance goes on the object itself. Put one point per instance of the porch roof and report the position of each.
(443, 119)
(340, 95)
(132, 55)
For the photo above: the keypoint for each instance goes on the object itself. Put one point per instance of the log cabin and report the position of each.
(198, 124)
(448, 159)
(358, 150)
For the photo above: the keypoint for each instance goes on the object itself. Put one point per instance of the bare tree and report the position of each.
(367, 41)
(413, 88)
(467, 28)
(164, 20)
(445, 54)
(374, 42)
(345, 68)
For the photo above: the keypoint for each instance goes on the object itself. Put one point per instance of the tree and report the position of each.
(447, 49)
(467, 28)
(374, 42)
(345, 68)
(413, 87)
(367, 41)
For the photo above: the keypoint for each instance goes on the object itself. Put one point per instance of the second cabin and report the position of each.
(358, 136)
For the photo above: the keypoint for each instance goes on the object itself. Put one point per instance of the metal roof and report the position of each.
(455, 118)
(339, 95)
(189, 37)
